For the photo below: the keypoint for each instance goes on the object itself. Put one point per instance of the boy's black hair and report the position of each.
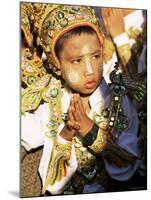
(76, 31)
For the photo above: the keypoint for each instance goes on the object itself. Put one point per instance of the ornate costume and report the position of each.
(45, 102)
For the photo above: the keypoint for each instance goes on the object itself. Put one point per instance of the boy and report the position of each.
(89, 135)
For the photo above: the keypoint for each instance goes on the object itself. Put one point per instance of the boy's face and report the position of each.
(81, 62)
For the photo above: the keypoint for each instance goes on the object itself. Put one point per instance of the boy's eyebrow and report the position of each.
(78, 57)
(97, 51)
(74, 57)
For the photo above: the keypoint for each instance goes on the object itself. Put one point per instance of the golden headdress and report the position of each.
(55, 20)
(51, 21)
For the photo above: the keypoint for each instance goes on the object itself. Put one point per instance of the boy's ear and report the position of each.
(59, 65)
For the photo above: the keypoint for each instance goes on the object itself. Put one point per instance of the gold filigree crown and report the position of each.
(51, 21)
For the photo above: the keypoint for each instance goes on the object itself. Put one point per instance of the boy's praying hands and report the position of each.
(78, 121)
(78, 116)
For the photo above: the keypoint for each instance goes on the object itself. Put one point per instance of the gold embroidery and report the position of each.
(100, 142)
(58, 164)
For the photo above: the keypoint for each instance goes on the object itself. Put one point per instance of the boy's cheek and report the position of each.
(101, 69)
(72, 76)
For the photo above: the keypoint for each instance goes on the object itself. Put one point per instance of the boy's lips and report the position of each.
(90, 84)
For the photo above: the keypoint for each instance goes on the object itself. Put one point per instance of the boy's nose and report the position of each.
(89, 67)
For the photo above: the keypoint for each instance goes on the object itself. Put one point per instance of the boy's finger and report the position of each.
(80, 104)
(77, 126)
(77, 113)
(72, 109)
(69, 125)
(73, 125)
(71, 118)
(72, 103)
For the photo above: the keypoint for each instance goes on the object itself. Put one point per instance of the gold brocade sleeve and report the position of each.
(58, 164)
(100, 142)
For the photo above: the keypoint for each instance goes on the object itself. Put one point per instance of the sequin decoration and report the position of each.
(52, 94)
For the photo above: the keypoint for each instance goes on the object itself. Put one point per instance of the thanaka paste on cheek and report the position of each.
(73, 76)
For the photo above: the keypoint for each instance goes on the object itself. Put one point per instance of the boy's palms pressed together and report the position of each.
(78, 121)
(79, 115)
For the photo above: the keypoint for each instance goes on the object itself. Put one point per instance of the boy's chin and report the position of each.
(83, 91)
(86, 92)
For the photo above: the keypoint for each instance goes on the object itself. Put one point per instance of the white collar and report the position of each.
(96, 97)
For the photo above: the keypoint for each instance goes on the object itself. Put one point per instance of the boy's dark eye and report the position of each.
(96, 56)
(77, 61)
